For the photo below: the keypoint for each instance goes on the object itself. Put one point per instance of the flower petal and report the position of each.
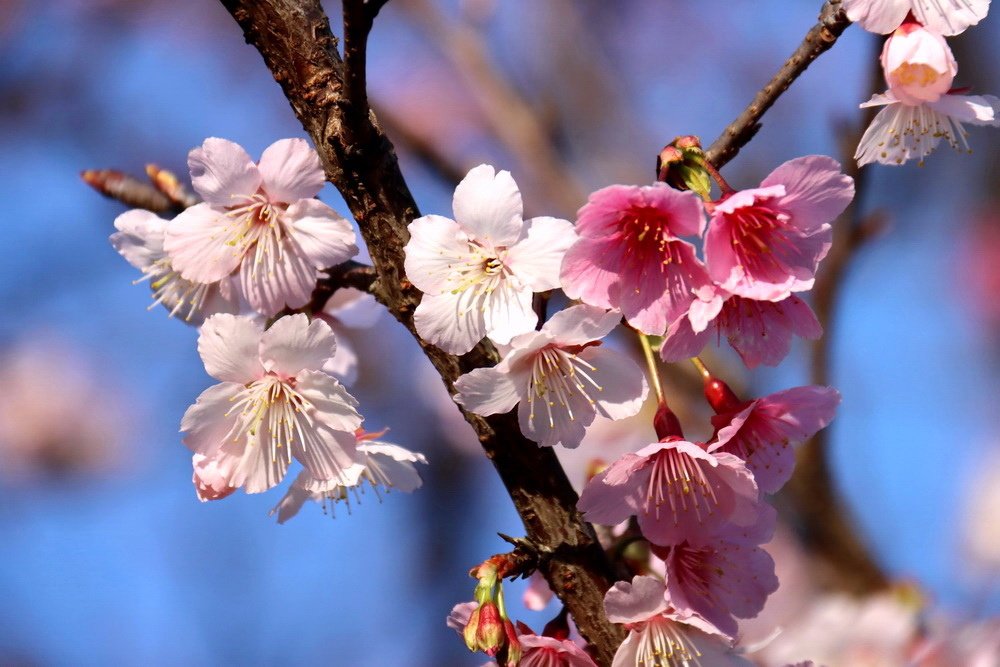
(635, 601)
(256, 469)
(229, 347)
(332, 403)
(197, 247)
(293, 344)
(681, 342)
(950, 18)
(879, 16)
(283, 277)
(290, 171)
(326, 239)
(450, 322)
(623, 384)
(537, 256)
(207, 422)
(488, 206)
(486, 391)
(437, 246)
(328, 454)
(222, 170)
(508, 312)
(139, 238)
(578, 325)
(551, 420)
(816, 191)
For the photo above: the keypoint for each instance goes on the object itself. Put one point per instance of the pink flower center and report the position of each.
(256, 221)
(170, 289)
(760, 237)
(647, 238)
(680, 481)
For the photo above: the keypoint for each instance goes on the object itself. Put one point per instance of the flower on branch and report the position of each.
(947, 17)
(479, 271)
(630, 255)
(273, 403)
(560, 378)
(260, 219)
(767, 242)
(139, 240)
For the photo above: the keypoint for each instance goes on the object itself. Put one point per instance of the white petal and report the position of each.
(328, 454)
(623, 384)
(537, 256)
(325, 238)
(334, 406)
(581, 324)
(229, 346)
(508, 312)
(437, 245)
(899, 133)
(486, 391)
(879, 16)
(293, 500)
(282, 278)
(449, 321)
(222, 170)
(206, 423)
(293, 344)
(290, 171)
(550, 421)
(975, 109)
(196, 242)
(950, 17)
(139, 238)
(488, 206)
(256, 470)
(343, 365)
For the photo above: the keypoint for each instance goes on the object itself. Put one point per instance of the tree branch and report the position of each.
(294, 38)
(832, 24)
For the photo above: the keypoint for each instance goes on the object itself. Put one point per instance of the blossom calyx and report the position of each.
(485, 630)
(681, 164)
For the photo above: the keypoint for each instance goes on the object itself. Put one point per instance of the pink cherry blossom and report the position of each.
(479, 271)
(719, 581)
(947, 17)
(902, 132)
(763, 432)
(542, 651)
(678, 491)
(538, 594)
(387, 467)
(766, 243)
(760, 331)
(918, 64)
(661, 635)
(347, 309)
(630, 256)
(559, 378)
(260, 219)
(139, 240)
(273, 403)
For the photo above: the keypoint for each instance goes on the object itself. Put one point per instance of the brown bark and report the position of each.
(296, 42)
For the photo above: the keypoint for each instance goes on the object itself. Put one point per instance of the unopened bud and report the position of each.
(513, 645)
(720, 396)
(666, 424)
(682, 165)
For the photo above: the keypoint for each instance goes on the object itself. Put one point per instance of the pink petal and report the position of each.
(623, 383)
(325, 238)
(508, 312)
(293, 344)
(816, 191)
(254, 468)
(343, 365)
(332, 404)
(537, 256)
(706, 308)
(761, 331)
(635, 602)
(606, 499)
(293, 500)
(654, 296)
(486, 391)
(206, 423)
(581, 324)
(556, 422)
(449, 321)
(197, 247)
(139, 238)
(681, 342)
(589, 273)
(436, 247)
(488, 206)
(975, 109)
(229, 346)
(290, 171)
(222, 170)
(282, 278)
(879, 16)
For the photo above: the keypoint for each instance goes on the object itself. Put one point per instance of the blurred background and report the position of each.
(108, 557)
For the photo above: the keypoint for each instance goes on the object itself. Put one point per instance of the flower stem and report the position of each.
(717, 177)
(700, 365)
(654, 371)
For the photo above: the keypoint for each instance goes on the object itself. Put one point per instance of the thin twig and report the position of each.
(358, 21)
(129, 190)
(832, 24)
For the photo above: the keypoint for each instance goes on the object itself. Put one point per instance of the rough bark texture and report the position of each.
(296, 42)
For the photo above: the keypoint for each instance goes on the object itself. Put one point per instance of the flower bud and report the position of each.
(918, 64)
(513, 645)
(666, 424)
(682, 165)
(720, 396)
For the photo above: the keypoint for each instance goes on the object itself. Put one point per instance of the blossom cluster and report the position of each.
(701, 506)
(920, 107)
(254, 249)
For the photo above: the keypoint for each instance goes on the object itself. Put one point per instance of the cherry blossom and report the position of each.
(386, 466)
(661, 635)
(560, 378)
(542, 651)
(947, 17)
(678, 491)
(760, 331)
(273, 403)
(766, 243)
(260, 219)
(762, 432)
(918, 64)
(719, 581)
(139, 240)
(630, 257)
(479, 271)
(902, 132)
